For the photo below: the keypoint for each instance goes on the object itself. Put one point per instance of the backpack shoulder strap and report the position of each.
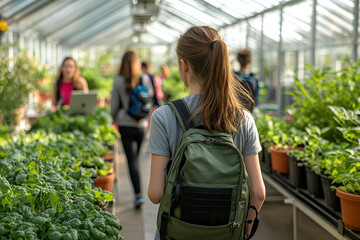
(182, 113)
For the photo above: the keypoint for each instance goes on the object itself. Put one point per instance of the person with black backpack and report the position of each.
(247, 78)
(131, 103)
(205, 170)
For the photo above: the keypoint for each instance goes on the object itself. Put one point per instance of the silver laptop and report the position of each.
(82, 103)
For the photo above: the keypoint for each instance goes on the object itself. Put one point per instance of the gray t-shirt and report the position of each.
(119, 106)
(165, 131)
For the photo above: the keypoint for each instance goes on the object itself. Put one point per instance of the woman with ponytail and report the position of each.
(215, 101)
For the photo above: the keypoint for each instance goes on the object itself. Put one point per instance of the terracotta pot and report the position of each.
(109, 157)
(32, 119)
(107, 100)
(43, 96)
(350, 209)
(279, 160)
(105, 182)
(100, 102)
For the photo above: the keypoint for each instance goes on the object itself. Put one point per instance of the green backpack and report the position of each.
(206, 194)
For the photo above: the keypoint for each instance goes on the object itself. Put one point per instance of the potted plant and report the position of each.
(105, 174)
(323, 88)
(16, 82)
(263, 123)
(297, 176)
(283, 140)
(105, 179)
(349, 194)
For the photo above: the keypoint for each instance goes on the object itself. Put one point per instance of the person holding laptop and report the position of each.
(68, 79)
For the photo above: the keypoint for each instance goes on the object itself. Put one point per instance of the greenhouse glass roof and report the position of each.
(94, 22)
(87, 23)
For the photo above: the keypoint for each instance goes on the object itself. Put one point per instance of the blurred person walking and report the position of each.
(131, 130)
(247, 78)
(156, 87)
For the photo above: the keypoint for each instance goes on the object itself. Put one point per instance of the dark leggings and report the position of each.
(131, 139)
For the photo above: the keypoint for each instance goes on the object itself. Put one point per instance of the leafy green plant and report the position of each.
(174, 87)
(278, 133)
(97, 80)
(350, 182)
(349, 123)
(321, 89)
(98, 125)
(17, 80)
(46, 194)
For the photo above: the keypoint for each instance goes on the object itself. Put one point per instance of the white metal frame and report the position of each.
(299, 205)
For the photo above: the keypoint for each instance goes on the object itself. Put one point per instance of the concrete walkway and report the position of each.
(275, 216)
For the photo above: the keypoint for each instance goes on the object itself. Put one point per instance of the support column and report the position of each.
(295, 223)
(279, 69)
(313, 34)
(247, 34)
(21, 41)
(30, 46)
(356, 30)
(262, 48)
(37, 48)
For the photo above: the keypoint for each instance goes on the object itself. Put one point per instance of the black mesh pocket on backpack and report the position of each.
(205, 206)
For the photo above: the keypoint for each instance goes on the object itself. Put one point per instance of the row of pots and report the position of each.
(302, 176)
(106, 182)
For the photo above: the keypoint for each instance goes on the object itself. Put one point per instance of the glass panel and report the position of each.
(67, 15)
(212, 11)
(38, 17)
(254, 42)
(333, 58)
(234, 36)
(189, 9)
(290, 67)
(272, 29)
(16, 41)
(334, 22)
(270, 52)
(175, 22)
(243, 8)
(270, 76)
(296, 28)
(92, 24)
(14, 7)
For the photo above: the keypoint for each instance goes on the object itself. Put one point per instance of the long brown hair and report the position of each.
(207, 55)
(60, 77)
(129, 69)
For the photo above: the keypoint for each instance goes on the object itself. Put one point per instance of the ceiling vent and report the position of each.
(144, 12)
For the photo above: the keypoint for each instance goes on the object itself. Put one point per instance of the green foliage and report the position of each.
(97, 80)
(349, 123)
(98, 125)
(45, 193)
(174, 87)
(277, 133)
(320, 90)
(17, 80)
